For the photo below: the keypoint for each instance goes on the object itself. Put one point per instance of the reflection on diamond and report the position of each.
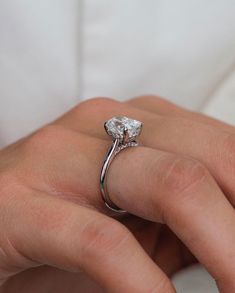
(117, 125)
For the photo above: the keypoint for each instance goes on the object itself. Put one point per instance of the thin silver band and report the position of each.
(116, 147)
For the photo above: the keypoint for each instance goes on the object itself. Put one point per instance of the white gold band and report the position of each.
(124, 132)
(115, 148)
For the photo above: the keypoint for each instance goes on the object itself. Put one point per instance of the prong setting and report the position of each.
(124, 132)
(123, 128)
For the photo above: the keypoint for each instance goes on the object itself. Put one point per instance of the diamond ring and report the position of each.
(124, 132)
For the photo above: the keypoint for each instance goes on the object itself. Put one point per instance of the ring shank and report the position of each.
(114, 149)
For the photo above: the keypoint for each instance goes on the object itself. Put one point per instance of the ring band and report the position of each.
(124, 132)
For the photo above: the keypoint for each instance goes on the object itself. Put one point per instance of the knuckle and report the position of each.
(8, 182)
(42, 140)
(101, 238)
(156, 101)
(148, 98)
(182, 174)
(10, 189)
(95, 105)
(12, 259)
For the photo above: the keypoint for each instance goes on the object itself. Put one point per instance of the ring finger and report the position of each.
(205, 142)
(167, 188)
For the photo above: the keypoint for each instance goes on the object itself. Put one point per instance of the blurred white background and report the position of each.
(55, 53)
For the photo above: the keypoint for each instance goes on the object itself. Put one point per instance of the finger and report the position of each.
(208, 144)
(161, 244)
(171, 189)
(63, 174)
(146, 232)
(171, 254)
(52, 231)
(181, 193)
(50, 279)
(160, 106)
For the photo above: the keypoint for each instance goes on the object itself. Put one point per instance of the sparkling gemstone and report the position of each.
(117, 126)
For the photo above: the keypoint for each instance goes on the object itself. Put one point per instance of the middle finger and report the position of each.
(206, 143)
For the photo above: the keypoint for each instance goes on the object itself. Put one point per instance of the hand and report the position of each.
(53, 217)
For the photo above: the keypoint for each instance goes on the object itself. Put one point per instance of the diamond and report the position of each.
(123, 128)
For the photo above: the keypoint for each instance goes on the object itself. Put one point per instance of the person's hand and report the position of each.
(54, 223)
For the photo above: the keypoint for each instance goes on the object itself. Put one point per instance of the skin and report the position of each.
(178, 186)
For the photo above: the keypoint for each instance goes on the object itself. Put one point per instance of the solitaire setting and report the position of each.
(124, 132)
(123, 127)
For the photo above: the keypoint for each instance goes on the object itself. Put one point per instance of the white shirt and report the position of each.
(55, 53)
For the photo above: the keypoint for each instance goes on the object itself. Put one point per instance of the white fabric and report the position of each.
(179, 49)
(194, 280)
(39, 66)
(54, 53)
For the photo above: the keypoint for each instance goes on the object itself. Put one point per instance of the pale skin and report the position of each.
(58, 236)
